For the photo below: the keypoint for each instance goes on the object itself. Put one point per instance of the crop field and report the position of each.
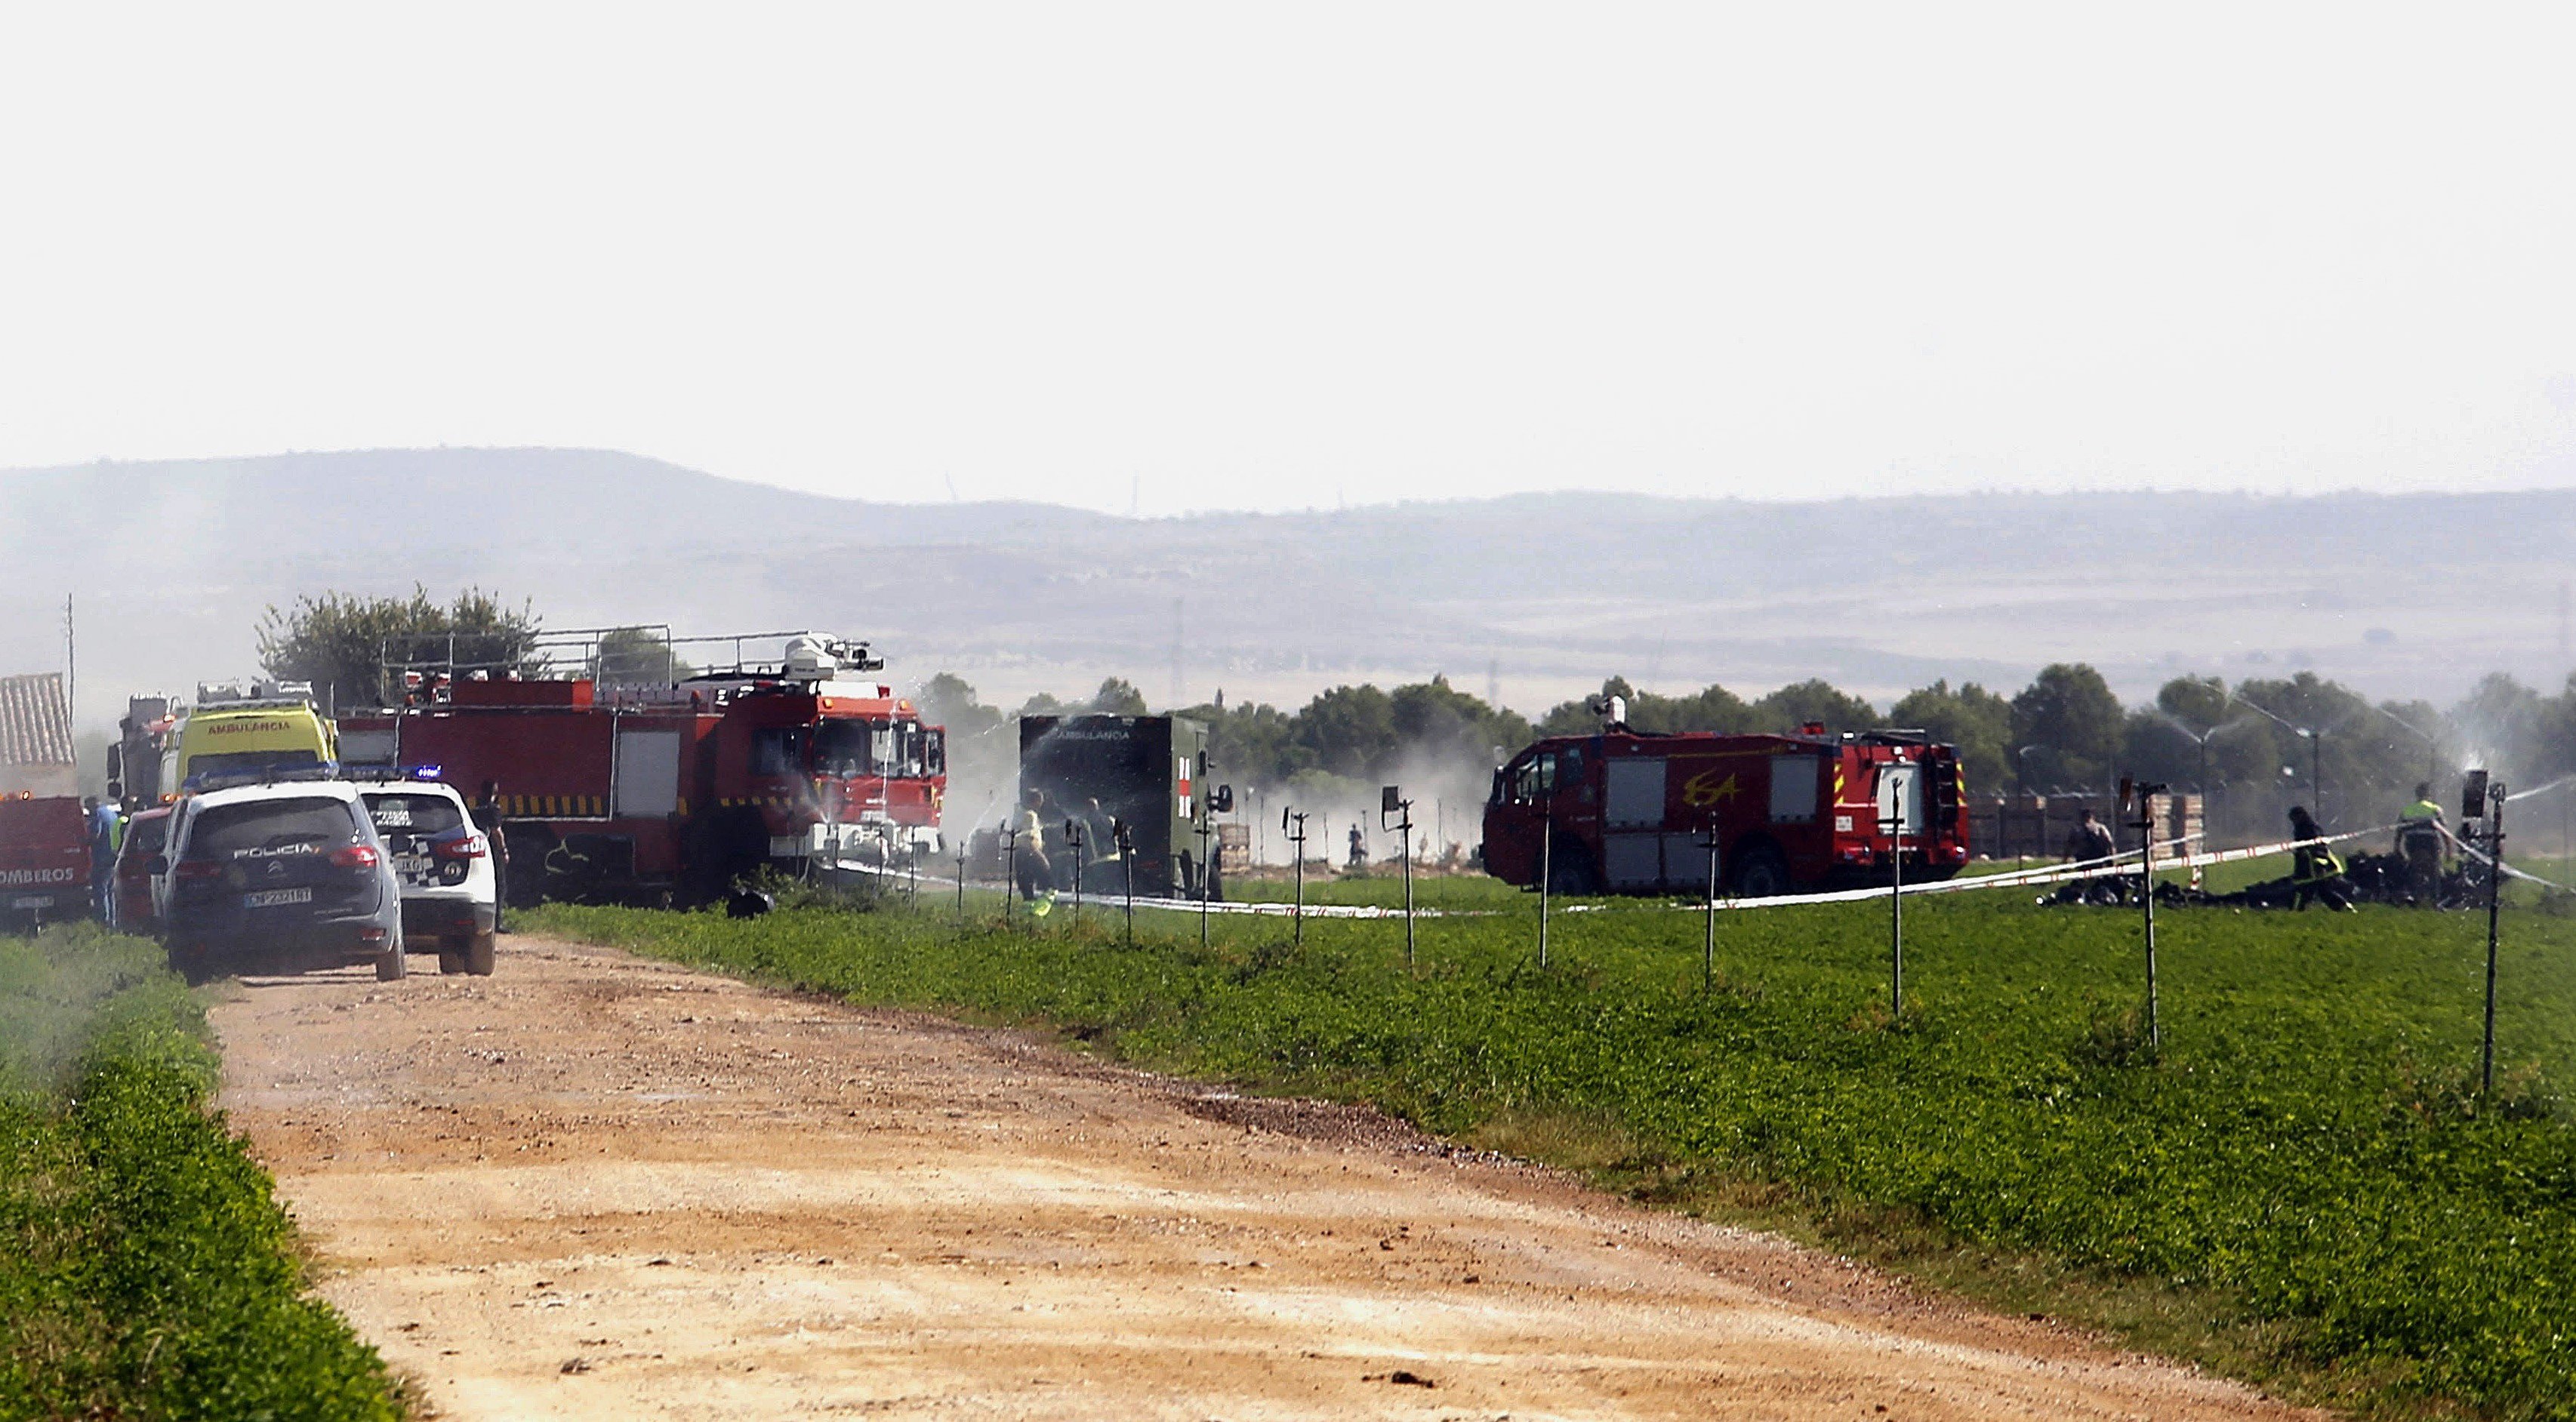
(2304, 1187)
(144, 1269)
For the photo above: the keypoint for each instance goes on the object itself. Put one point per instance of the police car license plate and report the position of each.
(33, 901)
(271, 898)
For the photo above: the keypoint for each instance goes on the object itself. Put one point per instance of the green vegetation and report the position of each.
(339, 641)
(144, 1269)
(2304, 1188)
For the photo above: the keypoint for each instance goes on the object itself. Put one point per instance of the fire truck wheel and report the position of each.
(478, 955)
(1760, 873)
(190, 964)
(1570, 871)
(390, 965)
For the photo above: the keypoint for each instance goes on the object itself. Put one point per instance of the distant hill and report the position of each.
(2411, 594)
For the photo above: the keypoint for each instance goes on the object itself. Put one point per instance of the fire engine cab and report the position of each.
(636, 793)
(1625, 813)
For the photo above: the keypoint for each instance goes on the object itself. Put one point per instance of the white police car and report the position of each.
(444, 865)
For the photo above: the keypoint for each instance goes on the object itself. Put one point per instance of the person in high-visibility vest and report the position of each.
(2419, 840)
(2318, 872)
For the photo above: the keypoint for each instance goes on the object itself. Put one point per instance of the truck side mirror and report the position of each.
(2473, 796)
(1222, 802)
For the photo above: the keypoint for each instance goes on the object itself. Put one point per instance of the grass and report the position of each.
(2303, 1188)
(145, 1269)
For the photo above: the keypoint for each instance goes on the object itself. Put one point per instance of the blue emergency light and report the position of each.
(424, 772)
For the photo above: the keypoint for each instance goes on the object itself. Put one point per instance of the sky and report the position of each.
(1190, 256)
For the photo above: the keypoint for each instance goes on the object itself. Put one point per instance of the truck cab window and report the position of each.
(779, 752)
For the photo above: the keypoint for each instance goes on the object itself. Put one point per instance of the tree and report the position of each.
(341, 642)
(633, 656)
(1116, 697)
(1977, 721)
(1713, 708)
(1807, 702)
(2069, 724)
(1349, 731)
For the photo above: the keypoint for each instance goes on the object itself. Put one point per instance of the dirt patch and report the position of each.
(598, 1186)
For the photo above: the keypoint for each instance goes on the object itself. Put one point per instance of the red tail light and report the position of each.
(196, 869)
(355, 856)
(470, 847)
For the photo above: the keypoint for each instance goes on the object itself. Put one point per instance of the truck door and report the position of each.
(1900, 798)
(648, 774)
(1632, 822)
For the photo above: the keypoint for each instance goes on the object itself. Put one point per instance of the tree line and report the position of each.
(2251, 747)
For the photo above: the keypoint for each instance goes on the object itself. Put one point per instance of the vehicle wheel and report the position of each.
(190, 965)
(1569, 871)
(391, 965)
(451, 956)
(1761, 873)
(478, 955)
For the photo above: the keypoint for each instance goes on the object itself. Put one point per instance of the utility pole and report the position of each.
(1894, 823)
(1297, 852)
(71, 664)
(1546, 853)
(1010, 872)
(1127, 857)
(2494, 808)
(1391, 801)
(1708, 948)
(1207, 870)
(1073, 838)
(2145, 796)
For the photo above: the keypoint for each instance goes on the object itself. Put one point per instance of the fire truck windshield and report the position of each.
(848, 750)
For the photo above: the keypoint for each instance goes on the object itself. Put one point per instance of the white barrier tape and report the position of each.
(1119, 901)
(2017, 879)
(2510, 872)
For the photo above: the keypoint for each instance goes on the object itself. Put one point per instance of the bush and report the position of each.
(145, 1269)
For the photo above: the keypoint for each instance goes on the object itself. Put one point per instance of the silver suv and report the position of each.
(292, 871)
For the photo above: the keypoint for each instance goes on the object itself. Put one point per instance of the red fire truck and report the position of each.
(1626, 813)
(676, 790)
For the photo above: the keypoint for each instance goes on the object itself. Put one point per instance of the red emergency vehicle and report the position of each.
(1626, 813)
(638, 794)
(44, 859)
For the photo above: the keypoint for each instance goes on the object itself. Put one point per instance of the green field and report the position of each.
(145, 1270)
(2304, 1187)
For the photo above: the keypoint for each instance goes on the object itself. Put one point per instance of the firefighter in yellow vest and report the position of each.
(2318, 872)
(2419, 840)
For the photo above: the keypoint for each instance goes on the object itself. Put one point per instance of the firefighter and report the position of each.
(2420, 830)
(1359, 847)
(487, 818)
(1036, 875)
(2317, 874)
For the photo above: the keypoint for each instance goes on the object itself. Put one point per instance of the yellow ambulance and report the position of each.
(237, 735)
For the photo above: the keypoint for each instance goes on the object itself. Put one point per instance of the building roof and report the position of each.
(35, 722)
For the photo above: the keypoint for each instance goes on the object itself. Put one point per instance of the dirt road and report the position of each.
(593, 1186)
